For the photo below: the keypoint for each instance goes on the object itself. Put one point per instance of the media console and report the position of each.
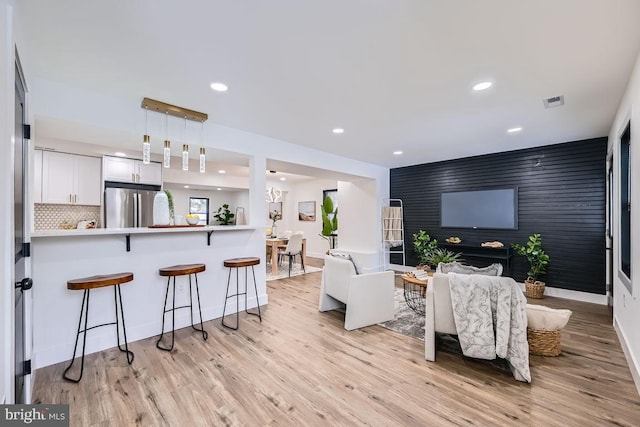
(477, 254)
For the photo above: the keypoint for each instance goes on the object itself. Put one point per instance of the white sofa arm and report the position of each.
(429, 324)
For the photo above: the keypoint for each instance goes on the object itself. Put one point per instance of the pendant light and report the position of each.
(166, 153)
(179, 112)
(203, 157)
(146, 144)
(185, 149)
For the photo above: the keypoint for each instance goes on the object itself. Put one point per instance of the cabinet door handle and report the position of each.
(75, 198)
(137, 177)
(69, 198)
(133, 177)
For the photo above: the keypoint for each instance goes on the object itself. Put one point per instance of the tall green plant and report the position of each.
(170, 201)
(329, 221)
(423, 246)
(538, 259)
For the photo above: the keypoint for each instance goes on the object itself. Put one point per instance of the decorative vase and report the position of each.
(274, 231)
(161, 209)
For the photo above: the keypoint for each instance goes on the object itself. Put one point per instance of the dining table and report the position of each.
(273, 243)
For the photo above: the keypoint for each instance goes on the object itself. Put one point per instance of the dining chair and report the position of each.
(293, 248)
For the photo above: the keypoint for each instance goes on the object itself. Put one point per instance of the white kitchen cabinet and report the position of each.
(118, 169)
(37, 176)
(70, 179)
(149, 174)
(87, 180)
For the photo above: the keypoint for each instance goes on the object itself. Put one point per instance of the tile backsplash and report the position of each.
(50, 217)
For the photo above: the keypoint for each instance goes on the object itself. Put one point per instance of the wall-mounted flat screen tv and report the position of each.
(497, 209)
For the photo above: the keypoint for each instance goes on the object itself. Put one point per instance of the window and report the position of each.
(199, 206)
(625, 207)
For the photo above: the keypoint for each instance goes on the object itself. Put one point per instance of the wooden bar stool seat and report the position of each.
(86, 284)
(237, 264)
(174, 271)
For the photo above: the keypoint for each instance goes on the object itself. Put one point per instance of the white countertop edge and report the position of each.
(139, 230)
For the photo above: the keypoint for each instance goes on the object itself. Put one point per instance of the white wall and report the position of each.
(216, 199)
(626, 305)
(307, 191)
(360, 216)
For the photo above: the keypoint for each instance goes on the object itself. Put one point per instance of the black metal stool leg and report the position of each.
(173, 313)
(205, 335)
(130, 354)
(302, 262)
(237, 297)
(85, 296)
(224, 309)
(255, 286)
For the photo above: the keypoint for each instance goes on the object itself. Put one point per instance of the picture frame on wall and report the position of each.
(275, 207)
(307, 211)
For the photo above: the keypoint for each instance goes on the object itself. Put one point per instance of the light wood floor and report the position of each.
(300, 367)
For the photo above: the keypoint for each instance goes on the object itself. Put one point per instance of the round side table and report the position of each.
(415, 293)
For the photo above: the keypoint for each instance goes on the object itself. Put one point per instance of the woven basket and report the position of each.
(534, 289)
(543, 343)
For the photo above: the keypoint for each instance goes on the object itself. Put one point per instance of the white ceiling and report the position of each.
(395, 74)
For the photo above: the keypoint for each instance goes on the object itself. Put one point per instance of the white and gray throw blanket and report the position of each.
(491, 320)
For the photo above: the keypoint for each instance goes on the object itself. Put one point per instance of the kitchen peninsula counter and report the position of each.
(138, 230)
(61, 255)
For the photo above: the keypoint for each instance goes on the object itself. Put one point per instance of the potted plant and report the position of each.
(439, 255)
(423, 246)
(538, 261)
(223, 215)
(329, 221)
(275, 217)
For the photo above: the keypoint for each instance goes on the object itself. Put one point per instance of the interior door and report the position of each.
(22, 245)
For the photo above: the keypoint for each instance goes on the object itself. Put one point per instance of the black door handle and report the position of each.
(25, 284)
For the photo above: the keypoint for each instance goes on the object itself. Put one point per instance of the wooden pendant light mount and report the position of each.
(174, 110)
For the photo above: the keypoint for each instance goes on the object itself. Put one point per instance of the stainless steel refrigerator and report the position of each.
(128, 205)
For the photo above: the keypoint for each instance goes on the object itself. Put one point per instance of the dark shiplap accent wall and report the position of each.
(561, 195)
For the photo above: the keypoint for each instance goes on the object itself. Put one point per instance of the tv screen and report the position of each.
(496, 209)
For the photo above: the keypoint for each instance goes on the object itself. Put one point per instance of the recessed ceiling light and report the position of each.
(218, 188)
(219, 87)
(222, 171)
(186, 186)
(338, 130)
(397, 153)
(120, 154)
(283, 178)
(514, 130)
(482, 86)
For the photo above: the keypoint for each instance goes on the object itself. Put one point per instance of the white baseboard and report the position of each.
(573, 295)
(316, 255)
(634, 366)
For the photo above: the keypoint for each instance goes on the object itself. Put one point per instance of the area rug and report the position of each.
(283, 271)
(408, 322)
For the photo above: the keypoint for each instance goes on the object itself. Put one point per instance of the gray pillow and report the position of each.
(457, 267)
(346, 256)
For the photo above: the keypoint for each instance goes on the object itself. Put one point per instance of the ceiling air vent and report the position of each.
(554, 101)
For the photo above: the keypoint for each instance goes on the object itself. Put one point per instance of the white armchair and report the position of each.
(368, 297)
